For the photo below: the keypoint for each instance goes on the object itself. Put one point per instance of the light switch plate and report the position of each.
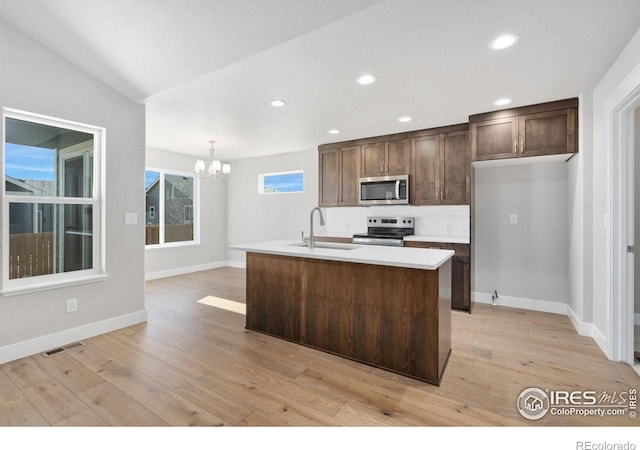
(513, 218)
(131, 218)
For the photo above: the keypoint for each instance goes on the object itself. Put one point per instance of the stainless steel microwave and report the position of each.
(388, 190)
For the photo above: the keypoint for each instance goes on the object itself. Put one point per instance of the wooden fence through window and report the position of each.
(172, 233)
(30, 254)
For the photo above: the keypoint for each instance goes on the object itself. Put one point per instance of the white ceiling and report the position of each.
(207, 69)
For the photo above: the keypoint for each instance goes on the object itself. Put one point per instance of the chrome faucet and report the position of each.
(311, 236)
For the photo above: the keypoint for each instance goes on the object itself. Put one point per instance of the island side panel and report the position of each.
(420, 323)
(445, 294)
(274, 285)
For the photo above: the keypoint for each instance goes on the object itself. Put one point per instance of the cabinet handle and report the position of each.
(441, 195)
(521, 146)
(515, 147)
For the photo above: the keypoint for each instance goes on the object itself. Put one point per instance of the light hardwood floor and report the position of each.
(194, 364)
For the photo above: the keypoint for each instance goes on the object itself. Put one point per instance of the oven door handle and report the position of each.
(397, 189)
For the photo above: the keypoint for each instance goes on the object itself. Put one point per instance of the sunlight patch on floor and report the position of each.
(223, 303)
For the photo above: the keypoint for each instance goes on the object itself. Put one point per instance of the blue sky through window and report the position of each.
(150, 177)
(29, 163)
(284, 182)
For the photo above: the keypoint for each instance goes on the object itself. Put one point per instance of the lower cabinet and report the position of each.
(460, 271)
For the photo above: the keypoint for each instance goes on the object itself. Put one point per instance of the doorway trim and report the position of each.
(622, 225)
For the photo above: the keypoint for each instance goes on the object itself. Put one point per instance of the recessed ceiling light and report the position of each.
(502, 101)
(504, 41)
(365, 79)
(278, 103)
(334, 131)
(404, 119)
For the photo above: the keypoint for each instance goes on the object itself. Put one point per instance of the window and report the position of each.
(52, 203)
(170, 200)
(281, 182)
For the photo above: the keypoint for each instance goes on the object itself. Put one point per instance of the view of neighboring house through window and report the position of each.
(169, 214)
(51, 198)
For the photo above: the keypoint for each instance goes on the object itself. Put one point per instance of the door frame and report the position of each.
(622, 130)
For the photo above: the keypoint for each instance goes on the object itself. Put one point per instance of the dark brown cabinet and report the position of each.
(386, 158)
(440, 168)
(425, 182)
(537, 130)
(393, 318)
(339, 176)
(460, 271)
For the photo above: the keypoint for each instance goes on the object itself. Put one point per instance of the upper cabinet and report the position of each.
(440, 172)
(543, 129)
(438, 160)
(339, 176)
(386, 158)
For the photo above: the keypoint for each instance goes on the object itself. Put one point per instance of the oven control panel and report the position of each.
(391, 222)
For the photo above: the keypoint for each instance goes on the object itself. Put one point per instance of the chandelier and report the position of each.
(215, 166)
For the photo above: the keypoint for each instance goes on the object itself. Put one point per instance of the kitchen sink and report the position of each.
(326, 245)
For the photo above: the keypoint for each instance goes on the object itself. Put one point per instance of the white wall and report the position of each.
(34, 79)
(527, 261)
(621, 79)
(580, 194)
(253, 217)
(211, 252)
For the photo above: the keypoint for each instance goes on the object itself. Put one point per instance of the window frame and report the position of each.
(262, 176)
(160, 211)
(96, 201)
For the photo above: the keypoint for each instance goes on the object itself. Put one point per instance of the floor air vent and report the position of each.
(55, 351)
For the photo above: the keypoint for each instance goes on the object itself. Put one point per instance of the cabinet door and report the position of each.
(350, 176)
(425, 170)
(548, 133)
(373, 160)
(398, 157)
(494, 139)
(454, 169)
(329, 189)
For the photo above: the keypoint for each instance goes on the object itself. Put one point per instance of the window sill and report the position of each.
(172, 245)
(9, 292)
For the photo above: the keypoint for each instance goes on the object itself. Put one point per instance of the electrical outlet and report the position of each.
(513, 218)
(72, 305)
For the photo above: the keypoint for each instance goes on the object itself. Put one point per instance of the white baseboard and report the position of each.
(583, 328)
(40, 344)
(184, 270)
(601, 340)
(520, 302)
(237, 264)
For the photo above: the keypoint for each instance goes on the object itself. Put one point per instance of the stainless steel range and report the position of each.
(386, 231)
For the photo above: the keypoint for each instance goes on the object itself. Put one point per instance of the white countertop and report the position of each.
(445, 240)
(413, 258)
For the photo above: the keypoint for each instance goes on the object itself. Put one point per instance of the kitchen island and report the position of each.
(382, 306)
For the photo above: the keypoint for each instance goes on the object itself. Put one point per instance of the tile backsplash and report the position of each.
(432, 221)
